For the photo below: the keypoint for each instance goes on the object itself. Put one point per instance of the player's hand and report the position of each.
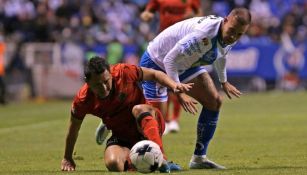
(68, 165)
(146, 16)
(188, 103)
(182, 87)
(230, 89)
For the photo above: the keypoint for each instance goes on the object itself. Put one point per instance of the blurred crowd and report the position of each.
(113, 28)
(90, 22)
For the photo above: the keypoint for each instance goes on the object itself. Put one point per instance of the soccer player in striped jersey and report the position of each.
(181, 51)
(170, 12)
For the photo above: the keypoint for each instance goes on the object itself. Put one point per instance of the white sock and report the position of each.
(198, 157)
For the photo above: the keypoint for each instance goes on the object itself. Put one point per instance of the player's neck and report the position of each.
(220, 35)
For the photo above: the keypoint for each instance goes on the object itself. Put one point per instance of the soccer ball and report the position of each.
(146, 156)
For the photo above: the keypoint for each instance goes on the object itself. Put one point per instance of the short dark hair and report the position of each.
(242, 15)
(96, 65)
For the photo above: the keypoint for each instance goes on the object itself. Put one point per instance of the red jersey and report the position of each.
(2, 52)
(172, 11)
(116, 109)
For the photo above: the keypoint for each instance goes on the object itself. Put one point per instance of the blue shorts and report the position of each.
(155, 92)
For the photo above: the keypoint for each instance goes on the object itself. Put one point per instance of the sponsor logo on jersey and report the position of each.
(191, 46)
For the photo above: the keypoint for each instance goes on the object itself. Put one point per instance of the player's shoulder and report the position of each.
(209, 25)
(123, 67)
(123, 70)
(84, 93)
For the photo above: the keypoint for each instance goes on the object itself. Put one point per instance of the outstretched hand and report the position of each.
(183, 87)
(230, 89)
(68, 165)
(188, 103)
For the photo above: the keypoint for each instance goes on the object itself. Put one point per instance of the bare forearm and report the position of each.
(70, 144)
(71, 138)
(164, 80)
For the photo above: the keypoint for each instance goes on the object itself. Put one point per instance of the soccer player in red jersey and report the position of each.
(171, 11)
(113, 94)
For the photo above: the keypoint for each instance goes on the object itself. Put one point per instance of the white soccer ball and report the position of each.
(146, 156)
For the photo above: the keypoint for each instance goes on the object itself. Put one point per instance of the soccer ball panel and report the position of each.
(146, 156)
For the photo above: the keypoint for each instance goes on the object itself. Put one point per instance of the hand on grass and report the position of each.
(68, 165)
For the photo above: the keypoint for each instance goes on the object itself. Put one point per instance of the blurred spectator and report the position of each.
(2, 69)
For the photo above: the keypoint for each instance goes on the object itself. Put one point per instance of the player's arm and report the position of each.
(183, 52)
(220, 67)
(149, 12)
(68, 163)
(186, 101)
(163, 79)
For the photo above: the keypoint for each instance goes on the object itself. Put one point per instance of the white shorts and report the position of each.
(155, 92)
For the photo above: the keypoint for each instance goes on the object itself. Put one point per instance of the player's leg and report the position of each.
(205, 92)
(116, 156)
(176, 106)
(167, 115)
(156, 95)
(151, 123)
(162, 106)
(2, 91)
(173, 125)
(154, 92)
(148, 124)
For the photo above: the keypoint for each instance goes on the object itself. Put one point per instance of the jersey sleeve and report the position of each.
(220, 67)
(152, 6)
(186, 51)
(170, 63)
(81, 104)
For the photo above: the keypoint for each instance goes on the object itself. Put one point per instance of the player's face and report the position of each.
(101, 84)
(232, 30)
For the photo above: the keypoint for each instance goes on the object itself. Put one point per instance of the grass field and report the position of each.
(258, 134)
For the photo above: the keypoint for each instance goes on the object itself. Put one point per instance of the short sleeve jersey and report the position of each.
(116, 109)
(172, 11)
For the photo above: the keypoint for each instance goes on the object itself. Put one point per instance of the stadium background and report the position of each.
(47, 43)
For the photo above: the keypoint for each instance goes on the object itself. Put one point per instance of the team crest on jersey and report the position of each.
(205, 41)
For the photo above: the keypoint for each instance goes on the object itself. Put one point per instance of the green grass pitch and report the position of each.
(260, 134)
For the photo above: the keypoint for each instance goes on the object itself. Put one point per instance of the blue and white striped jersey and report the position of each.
(189, 43)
